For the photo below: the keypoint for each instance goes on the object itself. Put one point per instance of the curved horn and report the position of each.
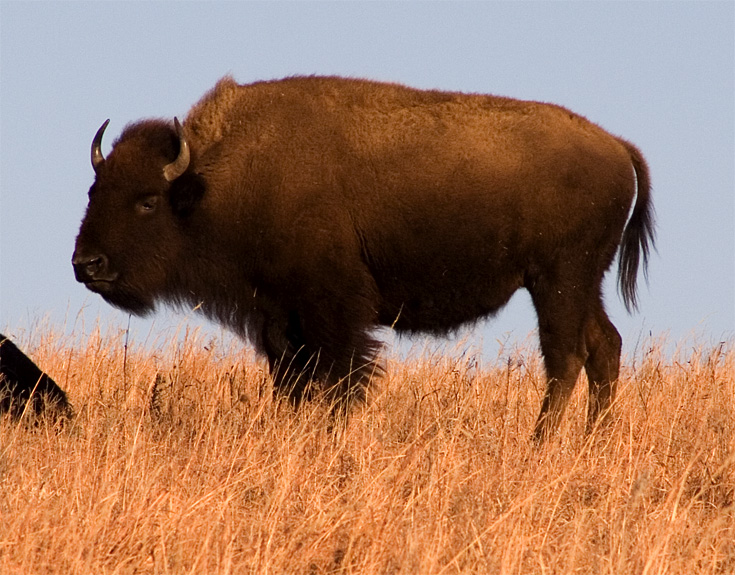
(179, 165)
(97, 157)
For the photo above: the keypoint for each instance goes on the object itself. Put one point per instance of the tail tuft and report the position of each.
(639, 235)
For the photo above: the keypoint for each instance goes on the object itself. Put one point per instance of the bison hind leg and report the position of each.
(575, 332)
(562, 312)
(602, 366)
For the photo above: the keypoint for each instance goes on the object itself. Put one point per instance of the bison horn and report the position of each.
(97, 157)
(179, 165)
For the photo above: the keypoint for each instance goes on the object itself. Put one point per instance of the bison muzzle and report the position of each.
(304, 213)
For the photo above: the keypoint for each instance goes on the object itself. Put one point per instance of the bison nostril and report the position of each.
(95, 265)
(91, 268)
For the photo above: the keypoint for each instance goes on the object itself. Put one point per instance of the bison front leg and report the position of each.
(289, 362)
(337, 309)
(313, 353)
(344, 356)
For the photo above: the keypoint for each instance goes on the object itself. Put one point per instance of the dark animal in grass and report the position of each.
(25, 388)
(303, 213)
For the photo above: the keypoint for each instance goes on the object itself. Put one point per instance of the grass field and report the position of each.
(180, 461)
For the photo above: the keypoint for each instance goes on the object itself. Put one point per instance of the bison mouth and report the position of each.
(114, 294)
(100, 286)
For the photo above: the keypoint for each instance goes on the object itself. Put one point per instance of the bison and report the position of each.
(303, 213)
(24, 387)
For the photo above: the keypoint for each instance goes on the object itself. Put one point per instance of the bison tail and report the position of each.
(639, 235)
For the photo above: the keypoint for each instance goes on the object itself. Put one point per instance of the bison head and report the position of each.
(132, 237)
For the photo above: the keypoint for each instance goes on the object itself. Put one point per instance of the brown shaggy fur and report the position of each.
(316, 208)
(24, 388)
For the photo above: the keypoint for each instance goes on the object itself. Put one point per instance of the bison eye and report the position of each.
(147, 205)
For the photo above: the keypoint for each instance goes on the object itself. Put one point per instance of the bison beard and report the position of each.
(303, 213)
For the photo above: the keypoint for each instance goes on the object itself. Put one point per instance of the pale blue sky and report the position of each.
(660, 74)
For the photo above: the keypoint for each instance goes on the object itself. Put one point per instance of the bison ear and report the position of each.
(185, 193)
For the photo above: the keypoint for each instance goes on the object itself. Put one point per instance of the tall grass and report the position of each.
(180, 461)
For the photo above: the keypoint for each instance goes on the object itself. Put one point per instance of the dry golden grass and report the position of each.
(181, 462)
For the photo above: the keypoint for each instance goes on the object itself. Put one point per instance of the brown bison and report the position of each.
(303, 213)
(25, 388)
